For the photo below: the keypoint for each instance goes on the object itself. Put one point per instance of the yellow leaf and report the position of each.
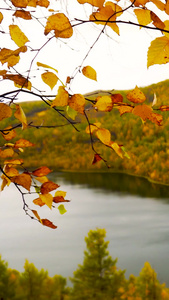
(62, 98)
(143, 16)
(6, 153)
(11, 162)
(23, 180)
(10, 171)
(48, 223)
(1, 17)
(115, 7)
(50, 79)
(23, 14)
(11, 57)
(23, 143)
(117, 149)
(5, 111)
(46, 66)
(17, 35)
(42, 179)
(48, 187)
(42, 171)
(5, 181)
(97, 3)
(146, 113)
(77, 102)
(89, 72)
(20, 115)
(104, 135)
(158, 52)
(105, 16)
(136, 96)
(60, 193)
(104, 103)
(8, 133)
(47, 199)
(166, 28)
(60, 24)
(93, 127)
(20, 3)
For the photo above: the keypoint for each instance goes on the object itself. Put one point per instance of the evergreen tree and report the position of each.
(98, 277)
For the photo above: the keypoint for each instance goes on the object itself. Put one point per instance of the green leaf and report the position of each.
(62, 209)
(71, 112)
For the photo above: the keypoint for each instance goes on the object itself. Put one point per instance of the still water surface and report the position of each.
(134, 212)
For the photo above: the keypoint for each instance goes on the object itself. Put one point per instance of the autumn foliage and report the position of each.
(71, 107)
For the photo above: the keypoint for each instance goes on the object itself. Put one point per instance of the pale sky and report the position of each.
(120, 61)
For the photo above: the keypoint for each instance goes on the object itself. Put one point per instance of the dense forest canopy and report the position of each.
(29, 28)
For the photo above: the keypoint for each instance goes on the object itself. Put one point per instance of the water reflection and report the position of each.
(118, 183)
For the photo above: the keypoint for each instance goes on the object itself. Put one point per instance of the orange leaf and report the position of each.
(48, 223)
(77, 102)
(23, 143)
(143, 111)
(43, 171)
(124, 109)
(164, 108)
(96, 159)
(10, 171)
(89, 72)
(36, 214)
(104, 103)
(39, 202)
(60, 24)
(116, 98)
(146, 113)
(97, 3)
(156, 21)
(1, 17)
(6, 153)
(20, 3)
(23, 180)
(136, 96)
(5, 111)
(19, 81)
(48, 187)
(62, 98)
(58, 199)
(43, 3)
(104, 135)
(22, 14)
(8, 134)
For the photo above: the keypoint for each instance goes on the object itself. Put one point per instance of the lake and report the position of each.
(134, 212)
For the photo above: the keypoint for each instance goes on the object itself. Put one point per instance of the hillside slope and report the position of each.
(64, 148)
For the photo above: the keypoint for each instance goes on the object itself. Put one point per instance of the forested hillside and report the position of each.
(63, 148)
